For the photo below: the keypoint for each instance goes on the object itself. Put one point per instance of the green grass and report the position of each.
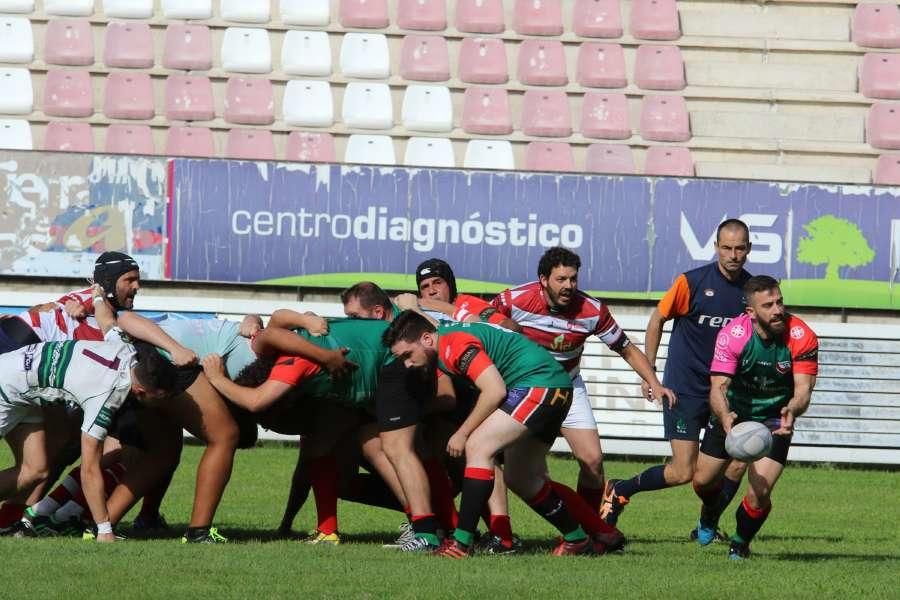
(833, 533)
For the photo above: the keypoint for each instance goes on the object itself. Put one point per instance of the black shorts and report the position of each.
(687, 418)
(125, 425)
(16, 333)
(186, 376)
(466, 396)
(541, 410)
(714, 443)
(401, 395)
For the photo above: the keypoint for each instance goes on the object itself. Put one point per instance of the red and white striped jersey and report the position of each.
(58, 326)
(562, 333)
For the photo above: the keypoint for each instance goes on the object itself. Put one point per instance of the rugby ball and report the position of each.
(748, 441)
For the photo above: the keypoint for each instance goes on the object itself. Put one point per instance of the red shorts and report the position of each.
(541, 410)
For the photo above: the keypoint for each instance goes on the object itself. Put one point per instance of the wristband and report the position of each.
(104, 527)
(100, 298)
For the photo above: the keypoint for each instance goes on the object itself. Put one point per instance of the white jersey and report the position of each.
(95, 376)
(57, 326)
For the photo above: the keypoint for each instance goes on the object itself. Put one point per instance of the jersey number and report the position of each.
(109, 364)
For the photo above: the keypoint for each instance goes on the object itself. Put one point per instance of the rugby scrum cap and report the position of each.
(109, 267)
(435, 267)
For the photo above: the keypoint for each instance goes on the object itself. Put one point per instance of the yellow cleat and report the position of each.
(317, 537)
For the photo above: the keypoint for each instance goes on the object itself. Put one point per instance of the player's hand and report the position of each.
(456, 445)
(407, 301)
(75, 309)
(106, 537)
(728, 421)
(646, 392)
(315, 324)
(337, 365)
(45, 307)
(182, 357)
(787, 423)
(213, 366)
(661, 394)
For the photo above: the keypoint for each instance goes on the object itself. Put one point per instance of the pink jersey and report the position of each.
(58, 326)
(562, 333)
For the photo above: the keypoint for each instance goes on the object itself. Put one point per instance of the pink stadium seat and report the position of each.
(483, 60)
(310, 147)
(879, 76)
(69, 42)
(129, 139)
(883, 126)
(188, 47)
(369, 14)
(128, 96)
(610, 158)
(425, 58)
(669, 160)
(542, 62)
(480, 16)
(69, 136)
(190, 141)
(605, 116)
(546, 113)
(597, 18)
(659, 68)
(427, 15)
(249, 101)
(601, 65)
(486, 110)
(887, 171)
(549, 156)
(189, 98)
(68, 94)
(128, 45)
(250, 144)
(538, 17)
(655, 20)
(876, 25)
(665, 119)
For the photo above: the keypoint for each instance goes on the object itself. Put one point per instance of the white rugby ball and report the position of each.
(748, 441)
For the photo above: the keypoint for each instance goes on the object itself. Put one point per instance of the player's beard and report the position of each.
(560, 300)
(775, 328)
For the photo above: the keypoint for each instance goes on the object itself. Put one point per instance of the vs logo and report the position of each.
(767, 246)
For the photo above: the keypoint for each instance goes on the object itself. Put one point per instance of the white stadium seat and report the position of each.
(16, 40)
(370, 149)
(427, 108)
(246, 50)
(368, 106)
(187, 9)
(16, 6)
(306, 53)
(128, 9)
(489, 154)
(15, 134)
(18, 96)
(365, 55)
(308, 103)
(245, 11)
(429, 152)
(315, 13)
(69, 8)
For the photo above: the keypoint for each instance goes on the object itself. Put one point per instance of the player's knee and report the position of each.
(680, 474)
(227, 436)
(396, 446)
(32, 474)
(590, 459)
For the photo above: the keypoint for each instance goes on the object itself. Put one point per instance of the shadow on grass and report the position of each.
(822, 556)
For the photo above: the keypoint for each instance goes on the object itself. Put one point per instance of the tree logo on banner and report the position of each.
(836, 243)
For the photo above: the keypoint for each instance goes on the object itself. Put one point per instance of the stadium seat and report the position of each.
(15, 134)
(365, 55)
(187, 9)
(538, 17)
(614, 159)
(69, 42)
(250, 144)
(68, 94)
(486, 111)
(368, 106)
(879, 75)
(425, 58)
(249, 101)
(887, 170)
(546, 113)
(429, 152)
(542, 62)
(69, 8)
(306, 53)
(245, 11)
(601, 65)
(655, 20)
(128, 45)
(883, 126)
(597, 18)
(312, 13)
(16, 40)
(670, 161)
(128, 96)
(659, 68)
(549, 156)
(16, 6)
(370, 149)
(308, 103)
(188, 47)
(190, 141)
(68, 136)
(483, 60)
(489, 154)
(876, 25)
(665, 119)
(246, 50)
(310, 147)
(124, 138)
(425, 15)
(480, 16)
(605, 116)
(427, 108)
(18, 95)
(366, 14)
(189, 98)
(128, 9)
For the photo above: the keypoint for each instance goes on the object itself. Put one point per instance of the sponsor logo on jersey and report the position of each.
(797, 332)
(721, 355)
(709, 292)
(809, 355)
(716, 322)
(560, 344)
(721, 341)
(466, 358)
(783, 366)
(28, 361)
(737, 331)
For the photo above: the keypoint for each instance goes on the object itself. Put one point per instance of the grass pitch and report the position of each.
(833, 533)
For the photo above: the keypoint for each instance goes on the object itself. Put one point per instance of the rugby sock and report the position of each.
(653, 478)
(478, 483)
(749, 521)
(441, 494)
(71, 509)
(501, 527)
(729, 489)
(549, 505)
(10, 513)
(366, 488)
(593, 496)
(712, 506)
(111, 477)
(425, 527)
(46, 506)
(587, 517)
(61, 494)
(323, 475)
